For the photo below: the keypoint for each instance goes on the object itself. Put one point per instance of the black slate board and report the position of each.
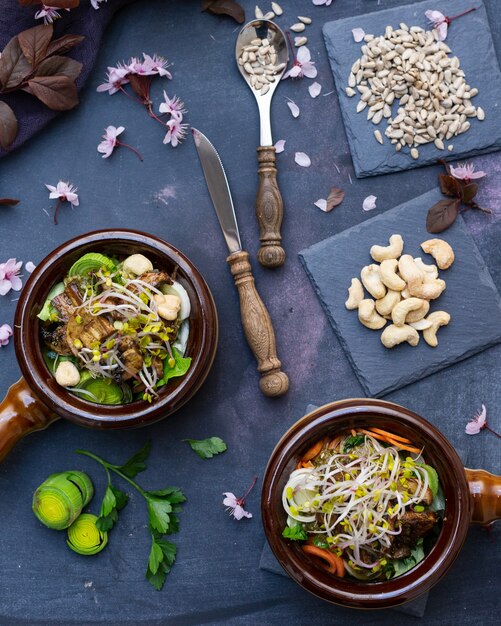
(470, 297)
(469, 38)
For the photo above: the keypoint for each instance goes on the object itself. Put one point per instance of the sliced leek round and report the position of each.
(84, 537)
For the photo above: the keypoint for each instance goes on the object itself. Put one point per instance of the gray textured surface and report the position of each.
(470, 298)
(469, 38)
(217, 579)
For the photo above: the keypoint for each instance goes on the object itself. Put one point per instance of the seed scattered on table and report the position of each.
(269, 16)
(276, 8)
(300, 41)
(378, 136)
(304, 19)
(411, 66)
(298, 28)
(258, 13)
(258, 60)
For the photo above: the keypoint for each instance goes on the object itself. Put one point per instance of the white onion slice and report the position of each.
(182, 337)
(176, 289)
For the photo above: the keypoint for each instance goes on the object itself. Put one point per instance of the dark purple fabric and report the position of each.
(31, 114)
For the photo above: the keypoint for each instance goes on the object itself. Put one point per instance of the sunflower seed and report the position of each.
(302, 41)
(298, 28)
(268, 16)
(415, 153)
(305, 20)
(480, 114)
(258, 13)
(276, 8)
(350, 92)
(377, 135)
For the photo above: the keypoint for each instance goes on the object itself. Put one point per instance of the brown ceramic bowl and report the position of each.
(471, 496)
(35, 401)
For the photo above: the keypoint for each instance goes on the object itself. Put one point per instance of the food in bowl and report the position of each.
(365, 503)
(115, 329)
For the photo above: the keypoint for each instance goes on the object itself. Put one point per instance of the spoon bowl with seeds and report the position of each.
(262, 57)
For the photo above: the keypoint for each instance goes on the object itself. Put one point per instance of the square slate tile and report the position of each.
(471, 297)
(469, 38)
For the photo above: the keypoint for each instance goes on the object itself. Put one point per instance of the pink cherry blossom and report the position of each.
(176, 132)
(174, 106)
(48, 13)
(109, 142)
(9, 276)
(64, 192)
(149, 66)
(439, 22)
(478, 422)
(318, 3)
(303, 65)
(235, 506)
(466, 172)
(115, 78)
(5, 334)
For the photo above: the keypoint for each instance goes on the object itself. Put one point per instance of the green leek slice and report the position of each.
(91, 262)
(104, 391)
(59, 500)
(84, 537)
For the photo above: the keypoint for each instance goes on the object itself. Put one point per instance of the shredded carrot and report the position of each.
(313, 451)
(353, 432)
(391, 435)
(392, 442)
(335, 563)
(334, 443)
(308, 464)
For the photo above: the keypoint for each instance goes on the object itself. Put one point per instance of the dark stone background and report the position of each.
(217, 577)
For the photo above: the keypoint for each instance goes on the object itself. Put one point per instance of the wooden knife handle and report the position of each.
(269, 210)
(21, 413)
(258, 327)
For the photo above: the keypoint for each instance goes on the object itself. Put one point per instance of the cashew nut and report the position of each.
(405, 293)
(168, 306)
(393, 335)
(420, 324)
(355, 294)
(137, 264)
(385, 305)
(440, 250)
(410, 272)
(428, 290)
(67, 374)
(368, 316)
(403, 308)
(393, 251)
(431, 271)
(418, 314)
(371, 280)
(389, 276)
(437, 319)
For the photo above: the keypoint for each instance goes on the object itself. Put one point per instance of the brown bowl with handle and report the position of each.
(472, 497)
(37, 400)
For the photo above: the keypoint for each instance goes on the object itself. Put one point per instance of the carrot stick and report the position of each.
(308, 464)
(332, 559)
(392, 442)
(353, 432)
(313, 451)
(334, 443)
(385, 432)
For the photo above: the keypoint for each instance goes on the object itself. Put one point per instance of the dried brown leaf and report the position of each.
(8, 201)
(64, 44)
(449, 186)
(14, 67)
(469, 192)
(59, 93)
(227, 7)
(34, 42)
(8, 125)
(442, 215)
(58, 65)
(140, 85)
(335, 197)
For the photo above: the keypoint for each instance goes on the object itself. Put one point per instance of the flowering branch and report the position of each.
(479, 422)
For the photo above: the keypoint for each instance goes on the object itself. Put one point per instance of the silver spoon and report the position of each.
(269, 204)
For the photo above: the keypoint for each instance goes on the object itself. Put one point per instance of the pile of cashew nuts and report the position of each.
(401, 288)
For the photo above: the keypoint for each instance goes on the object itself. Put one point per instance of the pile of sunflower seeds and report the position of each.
(258, 59)
(411, 66)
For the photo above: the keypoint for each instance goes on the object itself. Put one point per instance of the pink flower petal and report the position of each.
(303, 54)
(321, 204)
(434, 16)
(309, 70)
(302, 159)
(358, 34)
(280, 146)
(442, 31)
(30, 266)
(369, 203)
(315, 89)
(294, 108)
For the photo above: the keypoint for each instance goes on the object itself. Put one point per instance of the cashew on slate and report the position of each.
(437, 319)
(355, 294)
(441, 251)
(393, 251)
(368, 316)
(371, 280)
(393, 335)
(402, 287)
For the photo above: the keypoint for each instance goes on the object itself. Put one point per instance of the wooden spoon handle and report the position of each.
(258, 327)
(21, 413)
(269, 210)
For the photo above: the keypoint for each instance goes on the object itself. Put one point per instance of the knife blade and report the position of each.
(256, 320)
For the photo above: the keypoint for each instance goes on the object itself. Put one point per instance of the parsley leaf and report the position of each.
(353, 442)
(160, 509)
(160, 562)
(181, 366)
(320, 542)
(113, 501)
(295, 533)
(207, 448)
(137, 462)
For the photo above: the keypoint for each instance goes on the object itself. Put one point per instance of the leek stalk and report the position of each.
(84, 537)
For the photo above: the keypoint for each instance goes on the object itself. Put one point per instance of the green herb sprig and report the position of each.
(207, 448)
(163, 506)
(295, 533)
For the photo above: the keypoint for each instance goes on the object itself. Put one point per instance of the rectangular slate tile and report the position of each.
(470, 298)
(469, 38)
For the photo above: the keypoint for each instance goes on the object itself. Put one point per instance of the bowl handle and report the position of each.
(485, 496)
(21, 413)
